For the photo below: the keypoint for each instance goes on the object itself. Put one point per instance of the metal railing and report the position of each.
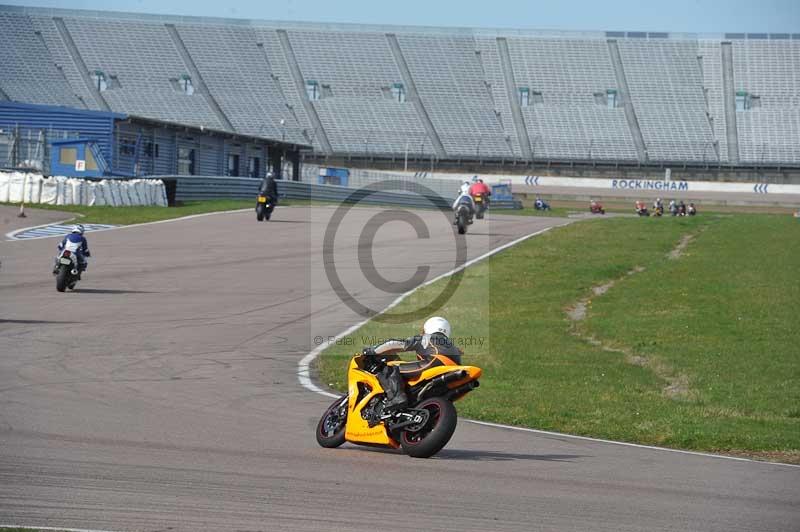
(203, 188)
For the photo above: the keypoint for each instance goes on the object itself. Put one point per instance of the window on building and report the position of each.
(611, 98)
(151, 150)
(91, 164)
(312, 89)
(399, 92)
(68, 156)
(233, 164)
(127, 147)
(99, 80)
(524, 96)
(254, 167)
(742, 101)
(185, 161)
(185, 83)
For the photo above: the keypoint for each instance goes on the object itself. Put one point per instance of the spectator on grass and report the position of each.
(681, 208)
(691, 211)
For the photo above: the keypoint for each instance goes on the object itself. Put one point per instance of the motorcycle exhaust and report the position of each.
(441, 380)
(461, 390)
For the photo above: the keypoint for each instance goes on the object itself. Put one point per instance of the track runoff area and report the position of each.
(164, 393)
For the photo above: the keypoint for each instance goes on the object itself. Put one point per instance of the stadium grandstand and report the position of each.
(456, 97)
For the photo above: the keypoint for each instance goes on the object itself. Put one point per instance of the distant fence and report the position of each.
(401, 193)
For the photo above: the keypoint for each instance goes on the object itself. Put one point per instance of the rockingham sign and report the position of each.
(647, 184)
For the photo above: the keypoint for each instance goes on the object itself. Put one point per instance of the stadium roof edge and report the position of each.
(342, 26)
(72, 111)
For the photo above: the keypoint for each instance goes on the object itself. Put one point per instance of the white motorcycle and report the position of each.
(67, 269)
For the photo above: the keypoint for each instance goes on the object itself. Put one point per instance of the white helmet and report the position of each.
(77, 229)
(437, 325)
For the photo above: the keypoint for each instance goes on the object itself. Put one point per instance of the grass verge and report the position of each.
(699, 352)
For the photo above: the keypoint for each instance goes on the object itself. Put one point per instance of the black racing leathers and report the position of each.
(391, 376)
(269, 187)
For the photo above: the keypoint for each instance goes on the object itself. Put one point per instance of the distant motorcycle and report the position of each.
(541, 205)
(596, 208)
(264, 207)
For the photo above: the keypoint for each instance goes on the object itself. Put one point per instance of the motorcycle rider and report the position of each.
(465, 187)
(76, 243)
(432, 343)
(479, 188)
(465, 198)
(269, 188)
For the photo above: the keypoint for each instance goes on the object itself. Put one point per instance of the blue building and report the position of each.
(85, 143)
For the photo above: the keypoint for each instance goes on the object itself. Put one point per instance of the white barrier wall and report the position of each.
(620, 184)
(33, 188)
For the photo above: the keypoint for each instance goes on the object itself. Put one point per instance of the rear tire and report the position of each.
(331, 426)
(462, 224)
(437, 431)
(260, 212)
(61, 278)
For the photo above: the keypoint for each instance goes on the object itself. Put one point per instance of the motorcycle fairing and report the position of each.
(357, 429)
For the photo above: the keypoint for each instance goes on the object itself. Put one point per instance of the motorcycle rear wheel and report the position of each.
(331, 426)
(462, 224)
(437, 431)
(61, 278)
(260, 212)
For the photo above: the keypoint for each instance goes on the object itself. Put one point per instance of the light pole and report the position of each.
(405, 158)
(283, 130)
(478, 148)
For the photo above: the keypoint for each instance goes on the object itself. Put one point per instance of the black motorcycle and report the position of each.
(264, 207)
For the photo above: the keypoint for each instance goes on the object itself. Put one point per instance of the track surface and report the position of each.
(163, 394)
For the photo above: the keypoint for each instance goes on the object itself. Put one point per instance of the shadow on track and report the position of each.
(108, 291)
(493, 456)
(288, 222)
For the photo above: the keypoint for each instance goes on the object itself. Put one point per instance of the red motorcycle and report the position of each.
(596, 208)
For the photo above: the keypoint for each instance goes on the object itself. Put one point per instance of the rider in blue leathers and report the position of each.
(76, 242)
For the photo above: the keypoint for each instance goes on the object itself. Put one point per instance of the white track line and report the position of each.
(304, 374)
(10, 236)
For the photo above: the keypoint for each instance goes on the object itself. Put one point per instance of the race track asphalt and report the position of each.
(163, 395)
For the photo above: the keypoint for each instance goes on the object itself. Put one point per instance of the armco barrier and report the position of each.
(409, 195)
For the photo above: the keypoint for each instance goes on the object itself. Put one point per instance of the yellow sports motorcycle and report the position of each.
(421, 429)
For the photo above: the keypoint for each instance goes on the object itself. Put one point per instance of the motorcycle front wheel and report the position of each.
(331, 426)
(425, 441)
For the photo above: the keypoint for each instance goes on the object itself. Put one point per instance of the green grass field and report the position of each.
(700, 352)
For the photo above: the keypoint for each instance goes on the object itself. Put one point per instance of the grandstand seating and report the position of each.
(238, 75)
(667, 91)
(711, 61)
(450, 82)
(356, 109)
(144, 59)
(252, 76)
(569, 122)
(770, 70)
(26, 71)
